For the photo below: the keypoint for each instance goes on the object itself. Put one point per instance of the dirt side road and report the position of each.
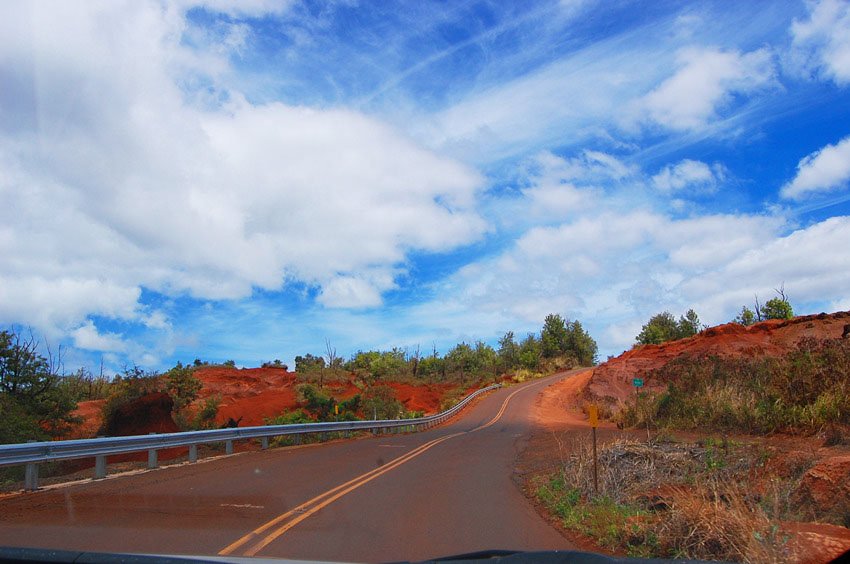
(441, 492)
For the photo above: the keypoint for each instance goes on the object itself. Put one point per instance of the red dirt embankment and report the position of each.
(254, 394)
(251, 395)
(611, 382)
(824, 485)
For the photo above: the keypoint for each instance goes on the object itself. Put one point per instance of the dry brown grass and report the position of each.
(689, 500)
(718, 522)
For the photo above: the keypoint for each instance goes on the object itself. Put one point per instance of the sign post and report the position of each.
(593, 417)
(638, 384)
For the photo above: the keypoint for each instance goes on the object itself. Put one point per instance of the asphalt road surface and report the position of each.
(392, 497)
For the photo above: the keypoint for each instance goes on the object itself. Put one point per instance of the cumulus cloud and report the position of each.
(707, 80)
(821, 44)
(812, 262)
(165, 178)
(824, 170)
(689, 176)
(612, 265)
(88, 337)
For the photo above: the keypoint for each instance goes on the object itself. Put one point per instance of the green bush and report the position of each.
(131, 385)
(380, 402)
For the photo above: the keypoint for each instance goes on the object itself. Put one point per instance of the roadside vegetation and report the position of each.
(561, 344)
(804, 391)
(669, 499)
(715, 497)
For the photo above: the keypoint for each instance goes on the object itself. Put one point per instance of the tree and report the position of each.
(747, 317)
(34, 403)
(415, 358)
(777, 308)
(660, 327)
(689, 324)
(486, 358)
(508, 351)
(553, 336)
(529, 352)
(462, 359)
(664, 327)
(308, 363)
(580, 344)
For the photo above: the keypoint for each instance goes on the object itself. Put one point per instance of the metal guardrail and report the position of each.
(34, 453)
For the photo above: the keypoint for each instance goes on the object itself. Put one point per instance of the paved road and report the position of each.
(393, 497)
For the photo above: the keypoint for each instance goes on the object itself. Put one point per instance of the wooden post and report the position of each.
(593, 417)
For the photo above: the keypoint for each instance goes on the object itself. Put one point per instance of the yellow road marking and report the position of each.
(317, 503)
(384, 469)
(229, 549)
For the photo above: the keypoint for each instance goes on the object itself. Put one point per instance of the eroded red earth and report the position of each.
(559, 412)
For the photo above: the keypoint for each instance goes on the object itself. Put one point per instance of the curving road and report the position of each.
(392, 497)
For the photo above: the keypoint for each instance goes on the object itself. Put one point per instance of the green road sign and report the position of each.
(638, 382)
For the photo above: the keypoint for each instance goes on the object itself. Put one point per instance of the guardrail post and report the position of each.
(297, 440)
(152, 457)
(228, 447)
(100, 467)
(31, 477)
(264, 443)
(193, 453)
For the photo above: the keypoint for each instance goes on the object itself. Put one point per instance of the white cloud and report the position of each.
(689, 176)
(88, 337)
(706, 81)
(612, 264)
(356, 291)
(824, 170)
(55, 303)
(812, 263)
(612, 271)
(821, 44)
(114, 181)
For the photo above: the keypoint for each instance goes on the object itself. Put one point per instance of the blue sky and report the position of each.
(246, 180)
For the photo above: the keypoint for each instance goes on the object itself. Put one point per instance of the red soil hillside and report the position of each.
(612, 381)
(255, 394)
(251, 395)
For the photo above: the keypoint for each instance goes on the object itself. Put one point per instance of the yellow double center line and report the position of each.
(260, 537)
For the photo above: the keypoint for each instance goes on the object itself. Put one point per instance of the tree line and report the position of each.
(560, 343)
